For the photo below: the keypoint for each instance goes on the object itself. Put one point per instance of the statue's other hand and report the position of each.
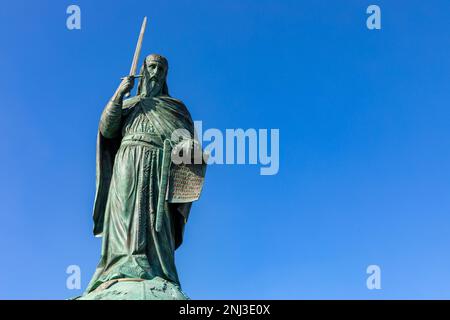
(126, 86)
(187, 147)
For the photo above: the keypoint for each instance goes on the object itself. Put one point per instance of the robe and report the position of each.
(128, 166)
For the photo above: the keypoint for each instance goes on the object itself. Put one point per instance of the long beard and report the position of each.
(153, 87)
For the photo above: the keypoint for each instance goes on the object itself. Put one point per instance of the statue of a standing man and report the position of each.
(137, 259)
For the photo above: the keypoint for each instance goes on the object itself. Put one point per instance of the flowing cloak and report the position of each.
(166, 114)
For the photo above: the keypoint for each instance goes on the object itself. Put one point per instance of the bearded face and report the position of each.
(156, 75)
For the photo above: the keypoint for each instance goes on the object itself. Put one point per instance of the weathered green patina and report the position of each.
(137, 259)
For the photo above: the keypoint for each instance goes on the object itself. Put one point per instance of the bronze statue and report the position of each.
(133, 211)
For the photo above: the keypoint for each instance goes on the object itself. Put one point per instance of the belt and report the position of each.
(145, 139)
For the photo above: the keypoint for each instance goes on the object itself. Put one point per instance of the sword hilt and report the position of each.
(134, 76)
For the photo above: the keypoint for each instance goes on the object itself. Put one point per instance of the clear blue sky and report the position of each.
(364, 142)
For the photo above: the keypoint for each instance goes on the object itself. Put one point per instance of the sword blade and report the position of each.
(137, 52)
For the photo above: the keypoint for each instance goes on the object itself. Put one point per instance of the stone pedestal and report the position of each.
(132, 289)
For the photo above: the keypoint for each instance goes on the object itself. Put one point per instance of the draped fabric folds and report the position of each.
(127, 188)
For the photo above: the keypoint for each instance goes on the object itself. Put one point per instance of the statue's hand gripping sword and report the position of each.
(137, 53)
